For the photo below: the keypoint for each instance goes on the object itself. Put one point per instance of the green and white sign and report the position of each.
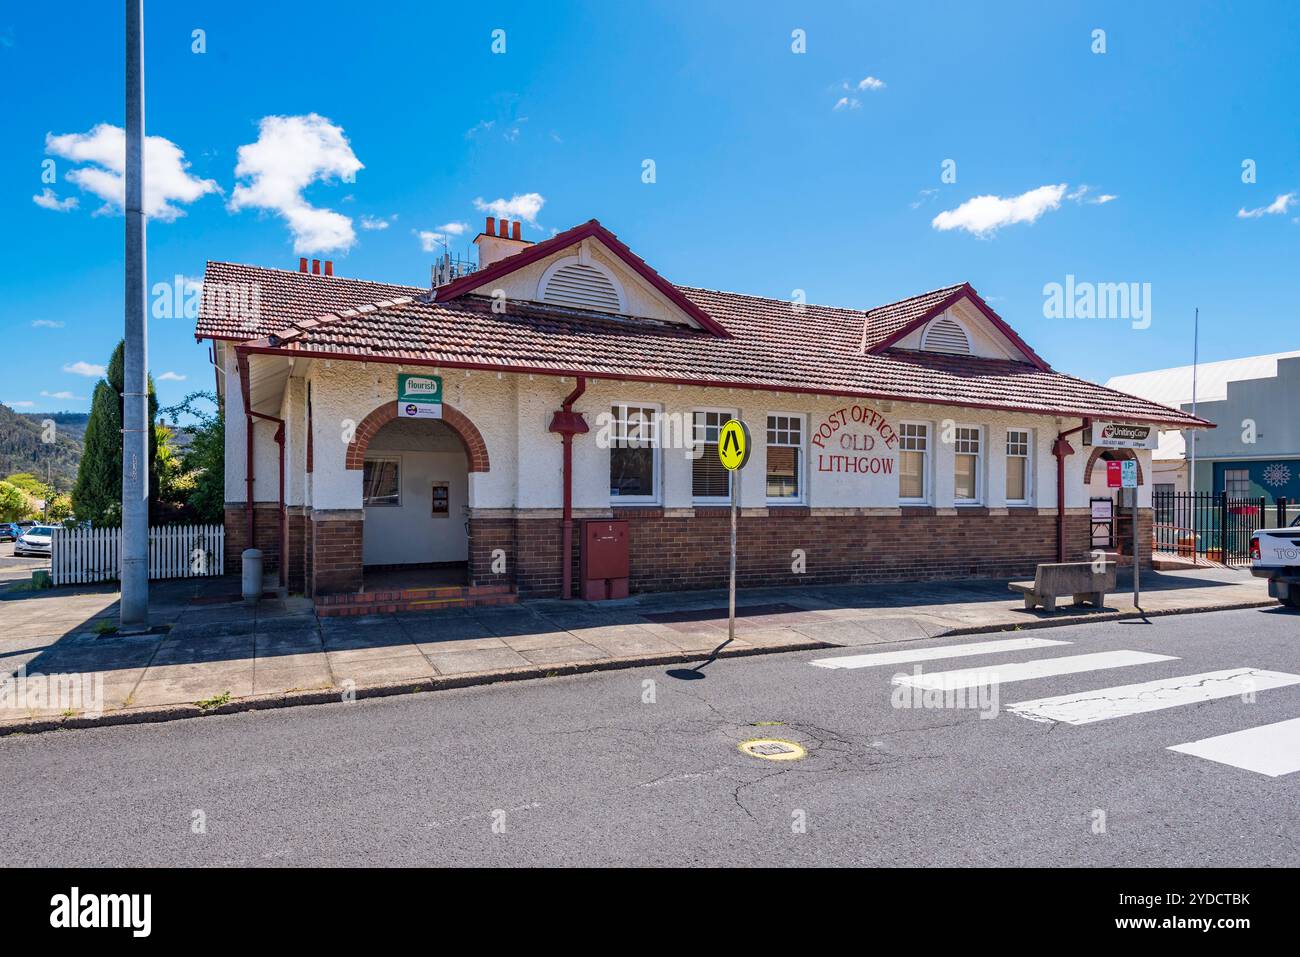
(419, 396)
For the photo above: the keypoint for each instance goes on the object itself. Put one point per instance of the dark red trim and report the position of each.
(590, 229)
(1189, 422)
(966, 290)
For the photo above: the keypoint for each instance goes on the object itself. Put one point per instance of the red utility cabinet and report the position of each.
(604, 562)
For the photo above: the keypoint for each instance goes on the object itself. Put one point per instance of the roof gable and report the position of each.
(907, 334)
(586, 245)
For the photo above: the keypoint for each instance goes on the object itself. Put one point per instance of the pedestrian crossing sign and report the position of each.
(733, 445)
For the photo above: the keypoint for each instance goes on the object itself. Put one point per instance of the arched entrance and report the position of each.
(415, 497)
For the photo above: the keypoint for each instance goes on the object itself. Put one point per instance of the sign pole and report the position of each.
(733, 453)
(731, 591)
(1137, 559)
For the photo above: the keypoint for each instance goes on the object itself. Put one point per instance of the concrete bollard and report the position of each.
(252, 567)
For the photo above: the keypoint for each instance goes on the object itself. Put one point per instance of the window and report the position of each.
(709, 480)
(966, 445)
(582, 284)
(381, 482)
(785, 458)
(634, 453)
(913, 461)
(1018, 475)
(946, 334)
(1236, 482)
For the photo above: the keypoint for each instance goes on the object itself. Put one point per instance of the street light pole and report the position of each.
(134, 606)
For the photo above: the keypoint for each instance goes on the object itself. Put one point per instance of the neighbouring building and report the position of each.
(460, 432)
(1255, 451)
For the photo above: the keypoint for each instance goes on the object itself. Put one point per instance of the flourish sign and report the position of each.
(856, 439)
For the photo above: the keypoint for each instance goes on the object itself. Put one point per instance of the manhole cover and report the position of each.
(773, 749)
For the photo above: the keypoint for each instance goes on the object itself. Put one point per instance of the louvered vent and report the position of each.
(583, 287)
(945, 335)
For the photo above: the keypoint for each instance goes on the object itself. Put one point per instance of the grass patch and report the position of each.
(216, 701)
(104, 627)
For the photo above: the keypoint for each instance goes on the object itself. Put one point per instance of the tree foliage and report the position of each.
(97, 494)
(15, 504)
(203, 465)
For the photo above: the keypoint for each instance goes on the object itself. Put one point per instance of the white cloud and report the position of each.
(1103, 199)
(290, 154)
(847, 103)
(46, 324)
(20, 405)
(521, 206)
(1275, 208)
(432, 239)
(482, 126)
(48, 199)
(871, 83)
(166, 180)
(374, 222)
(1080, 195)
(171, 377)
(983, 215)
(65, 396)
(84, 368)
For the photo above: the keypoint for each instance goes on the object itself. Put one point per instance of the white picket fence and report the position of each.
(80, 555)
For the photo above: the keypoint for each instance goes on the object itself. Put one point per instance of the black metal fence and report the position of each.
(1211, 526)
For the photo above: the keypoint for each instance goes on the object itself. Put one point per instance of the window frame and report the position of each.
(927, 461)
(731, 476)
(1231, 475)
(397, 459)
(656, 466)
(980, 490)
(1029, 465)
(801, 475)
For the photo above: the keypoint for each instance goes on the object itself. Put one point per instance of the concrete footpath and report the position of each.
(209, 653)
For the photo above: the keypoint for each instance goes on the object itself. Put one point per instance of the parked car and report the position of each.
(1275, 555)
(34, 541)
(9, 532)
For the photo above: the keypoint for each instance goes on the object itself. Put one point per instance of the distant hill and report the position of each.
(21, 448)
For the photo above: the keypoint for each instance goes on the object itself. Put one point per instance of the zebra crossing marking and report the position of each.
(1271, 749)
(930, 654)
(1103, 704)
(1027, 670)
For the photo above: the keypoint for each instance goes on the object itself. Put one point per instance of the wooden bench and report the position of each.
(1086, 582)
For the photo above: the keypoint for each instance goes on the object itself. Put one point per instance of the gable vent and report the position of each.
(946, 335)
(583, 287)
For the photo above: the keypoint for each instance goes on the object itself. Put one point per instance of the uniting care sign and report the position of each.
(419, 396)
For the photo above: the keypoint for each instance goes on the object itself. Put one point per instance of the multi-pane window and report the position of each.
(381, 482)
(634, 453)
(1236, 482)
(966, 446)
(709, 480)
(1018, 445)
(913, 460)
(785, 457)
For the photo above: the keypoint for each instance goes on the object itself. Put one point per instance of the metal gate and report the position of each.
(1213, 527)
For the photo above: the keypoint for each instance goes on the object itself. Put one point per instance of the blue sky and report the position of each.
(761, 184)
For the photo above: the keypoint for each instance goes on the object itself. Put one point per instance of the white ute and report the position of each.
(1275, 555)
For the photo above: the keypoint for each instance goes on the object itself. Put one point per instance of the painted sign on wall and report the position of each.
(419, 396)
(855, 439)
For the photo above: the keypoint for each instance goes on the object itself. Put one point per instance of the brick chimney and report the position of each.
(499, 239)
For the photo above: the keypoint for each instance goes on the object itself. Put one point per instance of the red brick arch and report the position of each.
(475, 448)
(1098, 452)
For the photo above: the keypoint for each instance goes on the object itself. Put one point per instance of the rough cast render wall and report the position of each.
(690, 551)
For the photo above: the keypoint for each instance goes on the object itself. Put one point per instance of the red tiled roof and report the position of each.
(771, 344)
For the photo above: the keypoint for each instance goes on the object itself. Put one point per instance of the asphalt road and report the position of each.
(582, 770)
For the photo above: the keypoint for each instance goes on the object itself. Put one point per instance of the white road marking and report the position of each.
(1272, 749)
(1025, 670)
(930, 654)
(1124, 700)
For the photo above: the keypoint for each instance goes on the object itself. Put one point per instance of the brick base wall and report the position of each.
(670, 552)
(266, 534)
(335, 552)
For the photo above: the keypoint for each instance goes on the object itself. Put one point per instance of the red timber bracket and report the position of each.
(568, 424)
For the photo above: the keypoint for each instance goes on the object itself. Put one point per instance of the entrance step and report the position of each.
(388, 601)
